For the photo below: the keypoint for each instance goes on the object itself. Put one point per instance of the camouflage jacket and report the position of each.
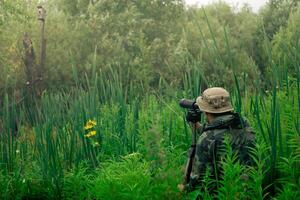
(207, 156)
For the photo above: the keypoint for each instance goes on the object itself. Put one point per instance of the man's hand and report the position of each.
(193, 116)
(195, 126)
(181, 187)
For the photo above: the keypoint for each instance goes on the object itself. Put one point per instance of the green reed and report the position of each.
(7, 135)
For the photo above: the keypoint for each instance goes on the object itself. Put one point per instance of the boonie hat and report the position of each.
(214, 100)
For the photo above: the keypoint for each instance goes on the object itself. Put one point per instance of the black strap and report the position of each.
(236, 123)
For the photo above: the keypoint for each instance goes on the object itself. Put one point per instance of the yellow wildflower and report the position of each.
(90, 134)
(90, 124)
(96, 144)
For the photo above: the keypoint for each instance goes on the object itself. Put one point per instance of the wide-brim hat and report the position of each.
(215, 100)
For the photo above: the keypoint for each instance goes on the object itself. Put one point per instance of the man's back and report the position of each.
(209, 148)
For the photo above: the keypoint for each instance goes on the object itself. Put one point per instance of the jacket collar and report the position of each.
(225, 121)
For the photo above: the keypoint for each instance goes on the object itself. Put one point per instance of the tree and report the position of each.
(286, 45)
(222, 41)
(273, 17)
(276, 15)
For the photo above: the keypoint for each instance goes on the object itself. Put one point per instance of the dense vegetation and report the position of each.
(104, 121)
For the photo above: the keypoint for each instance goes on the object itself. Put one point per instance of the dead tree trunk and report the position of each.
(29, 61)
(41, 17)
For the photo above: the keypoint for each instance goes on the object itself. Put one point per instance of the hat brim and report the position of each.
(205, 107)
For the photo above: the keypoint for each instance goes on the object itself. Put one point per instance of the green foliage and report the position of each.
(258, 172)
(129, 179)
(77, 184)
(233, 185)
(156, 132)
(279, 10)
(217, 37)
(124, 65)
(152, 42)
(286, 44)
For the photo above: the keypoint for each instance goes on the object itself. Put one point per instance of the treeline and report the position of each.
(150, 44)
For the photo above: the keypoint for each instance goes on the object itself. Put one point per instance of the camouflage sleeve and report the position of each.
(200, 163)
(198, 128)
(250, 145)
(247, 144)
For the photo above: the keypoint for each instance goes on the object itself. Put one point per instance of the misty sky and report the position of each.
(255, 4)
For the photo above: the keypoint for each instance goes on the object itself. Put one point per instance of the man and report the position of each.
(221, 122)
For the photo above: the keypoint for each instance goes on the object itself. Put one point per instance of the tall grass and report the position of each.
(56, 146)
